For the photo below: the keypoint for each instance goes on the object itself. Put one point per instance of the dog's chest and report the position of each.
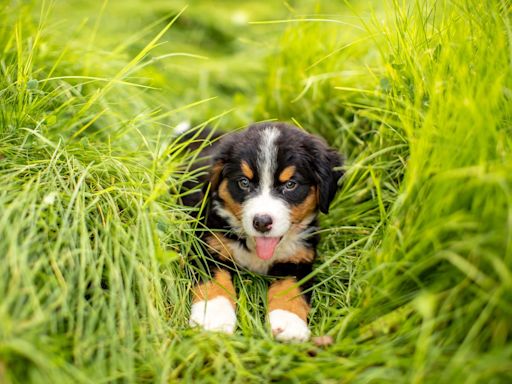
(246, 256)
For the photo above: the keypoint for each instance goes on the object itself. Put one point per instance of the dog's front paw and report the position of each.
(287, 326)
(216, 314)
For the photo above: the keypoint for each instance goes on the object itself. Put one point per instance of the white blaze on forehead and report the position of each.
(267, 157)
(264, 202)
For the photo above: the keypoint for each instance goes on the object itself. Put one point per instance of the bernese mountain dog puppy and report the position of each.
(265, 188)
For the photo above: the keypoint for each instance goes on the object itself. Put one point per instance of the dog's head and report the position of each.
(271, 179)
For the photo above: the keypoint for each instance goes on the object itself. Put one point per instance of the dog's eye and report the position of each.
(290, 185)
(244, 183)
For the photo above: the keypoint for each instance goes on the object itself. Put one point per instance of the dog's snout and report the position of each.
(262, 223)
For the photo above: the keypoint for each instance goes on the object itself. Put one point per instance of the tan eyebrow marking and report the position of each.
(287, 173)
(246, 170)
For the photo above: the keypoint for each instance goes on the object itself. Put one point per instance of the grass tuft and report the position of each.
(415, 271)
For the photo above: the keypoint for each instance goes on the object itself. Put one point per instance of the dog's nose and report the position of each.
(262, 223)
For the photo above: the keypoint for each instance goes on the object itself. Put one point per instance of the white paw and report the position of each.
(216, 314)
(287, 326)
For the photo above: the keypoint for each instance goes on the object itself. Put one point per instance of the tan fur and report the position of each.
(234, 207)
(286, 295)
(303, 255)
(220, 285)
(219, 245)
(306, 208)
(246, 170)
(215, 175)
(287, 173)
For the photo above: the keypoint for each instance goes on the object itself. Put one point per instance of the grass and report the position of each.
(415, 271)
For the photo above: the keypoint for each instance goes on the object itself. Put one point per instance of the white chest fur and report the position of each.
(286, 249)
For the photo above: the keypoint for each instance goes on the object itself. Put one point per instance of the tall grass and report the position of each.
(414, 277)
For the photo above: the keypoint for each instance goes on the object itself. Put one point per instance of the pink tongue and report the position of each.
(265, 246)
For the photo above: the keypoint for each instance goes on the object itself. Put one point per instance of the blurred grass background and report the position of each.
(415, 274)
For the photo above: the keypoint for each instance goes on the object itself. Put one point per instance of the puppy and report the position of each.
(266, 186)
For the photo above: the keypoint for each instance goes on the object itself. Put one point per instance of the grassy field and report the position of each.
(414, 281)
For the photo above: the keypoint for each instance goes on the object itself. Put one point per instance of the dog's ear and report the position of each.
(219, 159)
(326, 163)
(216, 175)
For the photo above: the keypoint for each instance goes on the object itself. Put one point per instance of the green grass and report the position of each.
(414, 279)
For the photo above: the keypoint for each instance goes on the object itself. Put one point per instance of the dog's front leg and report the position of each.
(213, 304)
(288, 311)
